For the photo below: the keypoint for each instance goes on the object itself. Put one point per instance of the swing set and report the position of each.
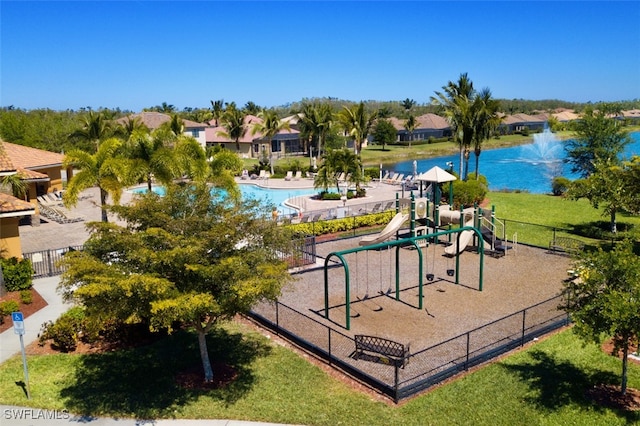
(416, 243)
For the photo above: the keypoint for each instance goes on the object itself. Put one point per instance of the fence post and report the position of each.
(330, 355)
(396, 397)
(466, 363)
(524, 319)
(49, 264)
(277, 318)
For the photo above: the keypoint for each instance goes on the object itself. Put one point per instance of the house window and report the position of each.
(195, 133)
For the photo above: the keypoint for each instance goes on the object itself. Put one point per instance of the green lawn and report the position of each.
(544, 384)
(579, 218)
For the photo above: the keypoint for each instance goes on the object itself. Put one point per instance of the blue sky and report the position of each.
(139, 54)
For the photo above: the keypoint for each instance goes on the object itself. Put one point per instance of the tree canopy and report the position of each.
(186, 259)
(604, 300)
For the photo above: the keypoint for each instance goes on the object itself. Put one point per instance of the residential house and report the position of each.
(41, 170)
(429, 126)
(254, 145)
(519, 122)
(153, 120)
(12, 210)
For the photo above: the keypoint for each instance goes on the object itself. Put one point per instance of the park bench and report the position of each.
(395, 351)
(566, 245)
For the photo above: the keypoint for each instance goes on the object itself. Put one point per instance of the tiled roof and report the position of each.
(6, 166)
(26, 174)
(12, 206)
(426, 122)
(521, 118)
(25, 157)
(154, 120)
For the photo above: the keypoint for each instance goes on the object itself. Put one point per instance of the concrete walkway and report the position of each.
(10, 342)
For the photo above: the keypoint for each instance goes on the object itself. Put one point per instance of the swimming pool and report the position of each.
(277, 196)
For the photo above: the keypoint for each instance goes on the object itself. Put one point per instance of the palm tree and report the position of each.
(176, 125)
(190, 159)
(251, 108)
(95, 128)
(410, 126)
(456, 100)
(315, 122)
(269, 127)
(217, 109)
(357, 123)
(150, 157)
(486, 121)
(335, 162)
(407, 104)
(233, 123)
(104, 169)
(129, 126)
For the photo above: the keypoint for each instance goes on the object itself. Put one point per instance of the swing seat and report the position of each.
(451, 272)
(431, 277)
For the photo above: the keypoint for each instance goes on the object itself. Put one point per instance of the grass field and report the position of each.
(544, 384)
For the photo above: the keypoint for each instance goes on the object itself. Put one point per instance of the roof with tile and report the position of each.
(12, 206)
(154, 120)
(25, 157)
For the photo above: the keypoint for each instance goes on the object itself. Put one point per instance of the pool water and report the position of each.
(275, 196)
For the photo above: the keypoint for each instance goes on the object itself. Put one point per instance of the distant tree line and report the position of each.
(57, 131)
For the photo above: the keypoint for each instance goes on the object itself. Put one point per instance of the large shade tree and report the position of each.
(598, 138)
(187, 259)
(604, 301)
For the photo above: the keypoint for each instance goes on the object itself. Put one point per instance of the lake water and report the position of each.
(529, 167)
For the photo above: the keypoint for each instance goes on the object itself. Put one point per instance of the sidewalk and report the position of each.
(10, 342)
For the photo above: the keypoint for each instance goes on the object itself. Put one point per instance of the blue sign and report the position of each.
(18, 322)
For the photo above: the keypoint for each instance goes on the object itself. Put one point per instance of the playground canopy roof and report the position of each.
(436, 174)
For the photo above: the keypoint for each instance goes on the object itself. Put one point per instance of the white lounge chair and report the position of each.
(298, 175)
(289, 175)
(262, 174)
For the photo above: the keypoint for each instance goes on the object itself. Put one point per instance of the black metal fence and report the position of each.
(427, 366)
(539, 235)
(303, 252)
(45, 262)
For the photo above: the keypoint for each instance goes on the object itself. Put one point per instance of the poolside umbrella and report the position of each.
(437, 175)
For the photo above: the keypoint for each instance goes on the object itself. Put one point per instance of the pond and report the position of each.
(530, 167)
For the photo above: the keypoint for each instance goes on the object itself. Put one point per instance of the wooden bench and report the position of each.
(398, 352)
(566, 245)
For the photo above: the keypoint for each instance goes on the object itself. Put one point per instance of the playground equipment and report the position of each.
(391, 228)
(397, 244)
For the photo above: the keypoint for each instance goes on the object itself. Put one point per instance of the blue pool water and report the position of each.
(273, 196)
(528, 167)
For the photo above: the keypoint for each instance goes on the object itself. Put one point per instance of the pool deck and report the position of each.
(53, 235)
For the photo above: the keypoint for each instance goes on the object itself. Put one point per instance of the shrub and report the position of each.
(7, 307)
(26, 297)
(18, 274)
(65, 331)
(467, 193)
(559, 185)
